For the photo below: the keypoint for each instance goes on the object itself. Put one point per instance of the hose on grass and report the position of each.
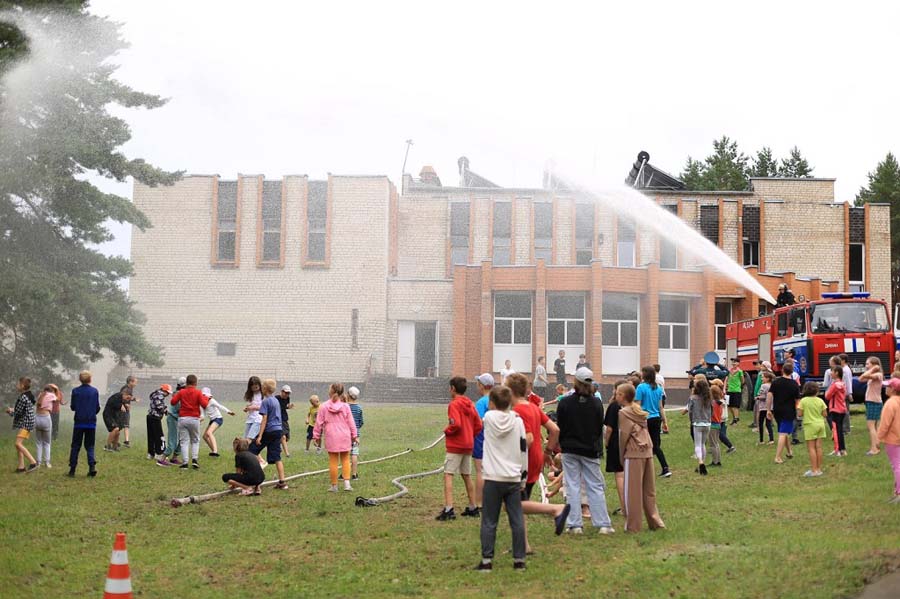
(193, 499)
(375, 501)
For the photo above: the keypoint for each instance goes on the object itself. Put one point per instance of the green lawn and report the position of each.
(750, 529)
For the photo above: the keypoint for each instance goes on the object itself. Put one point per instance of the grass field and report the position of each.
(749, 529)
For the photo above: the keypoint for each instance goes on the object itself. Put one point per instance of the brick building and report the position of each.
(346, 278)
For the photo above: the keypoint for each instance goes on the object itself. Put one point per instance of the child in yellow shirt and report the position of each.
(311, 421)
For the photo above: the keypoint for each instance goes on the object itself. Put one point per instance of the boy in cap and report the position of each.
(357, 412)
(463, 424)
(484, 382)
(284, 402)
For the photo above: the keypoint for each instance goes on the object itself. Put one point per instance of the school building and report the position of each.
(348, 278)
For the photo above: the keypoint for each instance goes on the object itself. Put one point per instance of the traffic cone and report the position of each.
(118, 579)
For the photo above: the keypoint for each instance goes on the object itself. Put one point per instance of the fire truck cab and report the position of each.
(839, 323)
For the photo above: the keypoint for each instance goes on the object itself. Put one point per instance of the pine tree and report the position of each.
(795, 165)
(726, 168)
(692, 175)
(61, 303)
(884, 187)
(765, 164)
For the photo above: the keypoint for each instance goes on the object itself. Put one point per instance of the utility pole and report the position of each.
(409, 143)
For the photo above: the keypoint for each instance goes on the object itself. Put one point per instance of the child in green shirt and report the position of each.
(734, 386)
(813, 410)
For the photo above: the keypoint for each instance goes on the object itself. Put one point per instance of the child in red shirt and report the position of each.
(459, 438)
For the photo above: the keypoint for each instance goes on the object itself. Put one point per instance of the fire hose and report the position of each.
(360, 501)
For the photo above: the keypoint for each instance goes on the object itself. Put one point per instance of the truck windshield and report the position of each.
(849, 317)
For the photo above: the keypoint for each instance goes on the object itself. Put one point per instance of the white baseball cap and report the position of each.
(584, 375)
(182, 380)
(207, 392)
(354, 392)
(486, 379)
(286, 389)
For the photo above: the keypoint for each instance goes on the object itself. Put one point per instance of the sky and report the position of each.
(280, 87)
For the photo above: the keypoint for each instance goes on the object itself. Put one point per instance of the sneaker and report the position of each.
(333, 489)
(149, 456)
(484, 567)
(48, 465)
(518, 565)
(354, 477)
(703, 470)
(790, 456)
(808, 473)
(819, 473)
(731, 449)
(795, 442)
(318, 450)
(281, 485)
(213, 454)
(126, 444)
(71, 473)
(107, 448)
(575, 530)
(446, 515)
(833, 454)
(195, 464)
(716, 464)
(184, 466)
(92, 472)
(560, 521)
(666, 473)
(472, 512)
(164, 462)
(347, 486)
(606, 530)
(31, 467)
(771, 443)
(247, 491)
(257, 491)
(896, 499)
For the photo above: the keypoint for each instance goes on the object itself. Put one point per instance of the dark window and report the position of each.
(354, 328)
(750, 222)
(857, 264)
(709, 223)
(751, 253)
(271, 221)
(459, 233)
(543, 231)
(565, 319)
(584, 234)
(763, 308)
(316, 219)
(782, 324)
(723, 317)
(857, 225)
(226, 219)
(226, 349)
(798, 320)
(502, 230)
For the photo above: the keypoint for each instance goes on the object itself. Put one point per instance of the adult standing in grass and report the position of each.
(812, 410)
(874, 376)
(782, 406)
(889, 432)
(190, 401)
(155, 414)
(636, 453)
(580, 419)
(23, 424)
(271, 432)
(484, 382)
(86, 405)
(463, 424)
(649, 397)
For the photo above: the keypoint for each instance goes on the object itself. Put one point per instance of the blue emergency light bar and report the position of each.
(846, 295)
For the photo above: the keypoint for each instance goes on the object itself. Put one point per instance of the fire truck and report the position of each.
(839, 323)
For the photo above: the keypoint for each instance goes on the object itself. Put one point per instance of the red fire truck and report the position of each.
(839, 323)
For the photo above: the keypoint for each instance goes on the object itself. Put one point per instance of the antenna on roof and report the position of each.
(409, 143)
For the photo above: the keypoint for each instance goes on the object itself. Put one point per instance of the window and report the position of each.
(565, 319)
(459, 233)
(849, 317)
(857, 280)
(624, 243)
(226, 222)
(354, 328)
(512, 319)
(763, 308)
(502, 231)
(316, 221)
(709, 223)
(543, 231)
(674, 319)
(797, 318)
(782, 324)
(584, 234)
(271, 219)
(751, 253)
(668, 254)
(620, 320)
(226, 349)
(723, 318)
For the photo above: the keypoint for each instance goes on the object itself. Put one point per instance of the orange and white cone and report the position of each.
(118, 579)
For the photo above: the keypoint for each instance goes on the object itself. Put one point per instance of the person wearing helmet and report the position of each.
(156, 440)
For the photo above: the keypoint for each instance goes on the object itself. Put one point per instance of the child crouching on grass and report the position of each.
(249, 475)
(505, 469)
(813, 410)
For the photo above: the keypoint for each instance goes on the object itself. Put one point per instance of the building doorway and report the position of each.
(417, 344)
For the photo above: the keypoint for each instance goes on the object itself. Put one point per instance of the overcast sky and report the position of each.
(291, 88)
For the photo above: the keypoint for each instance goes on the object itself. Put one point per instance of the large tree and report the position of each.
(884, 187)
(795, 165)
(61, 301)
(764, 164)
(724, 169)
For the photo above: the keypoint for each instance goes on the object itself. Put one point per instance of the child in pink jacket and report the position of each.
(336, 420)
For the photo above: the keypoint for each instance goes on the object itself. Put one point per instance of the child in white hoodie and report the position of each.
(505, 469)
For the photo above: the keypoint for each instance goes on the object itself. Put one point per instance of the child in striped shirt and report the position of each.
(357, 412)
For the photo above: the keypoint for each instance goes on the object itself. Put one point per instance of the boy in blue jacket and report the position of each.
(86, 405)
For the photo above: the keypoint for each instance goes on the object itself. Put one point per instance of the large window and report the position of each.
(723, 318)
(565, 319)
(750, 228)
(459, 233)
(674, 324)
(621, 352)
(857, 267)
(709, 223)
(271, 220)
(512, 331)
(845, 317)
(316, 221)
(502, 233)
(226, 222)
(543, 231)
(584, 234)
(668, 252)
(750, 253)
(625, 243)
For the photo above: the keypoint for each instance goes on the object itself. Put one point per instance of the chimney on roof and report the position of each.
(463, 164)
(429, 177)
